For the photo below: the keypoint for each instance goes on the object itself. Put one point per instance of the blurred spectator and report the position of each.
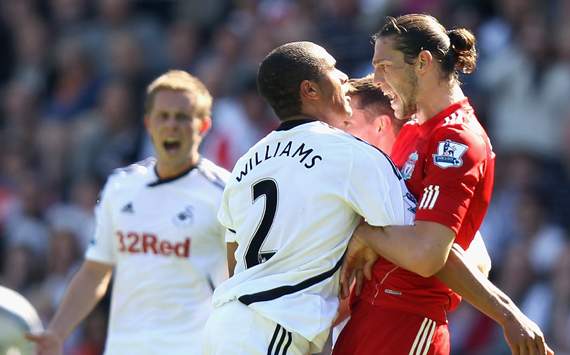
(115, 18)
(561, 309)
(239, 122)
(515, 173)
(215, 67)
(76, 215)
(347, 40)
(76, 84)
(31, 53)
(528, 90)
(26, 225)
(115, 123)
(19, 265)
(182, 45)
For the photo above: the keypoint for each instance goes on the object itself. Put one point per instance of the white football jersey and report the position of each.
(291, 204)
(168, 250)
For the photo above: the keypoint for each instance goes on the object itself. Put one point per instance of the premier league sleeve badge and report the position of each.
(449, 154)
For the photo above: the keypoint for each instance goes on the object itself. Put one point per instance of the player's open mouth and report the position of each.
(171, 145)
(391, 96)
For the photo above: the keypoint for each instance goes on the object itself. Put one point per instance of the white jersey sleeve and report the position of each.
(374, 188)
(101, 247)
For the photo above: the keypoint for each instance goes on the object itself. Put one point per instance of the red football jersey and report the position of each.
(448, 165)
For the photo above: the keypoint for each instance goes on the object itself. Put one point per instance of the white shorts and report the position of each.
(236, 329)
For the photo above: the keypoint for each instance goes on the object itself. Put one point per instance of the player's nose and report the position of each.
(379, 77)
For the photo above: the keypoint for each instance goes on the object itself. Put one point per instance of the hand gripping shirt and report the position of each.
(168, 250)
(291, 204)
(448, 165)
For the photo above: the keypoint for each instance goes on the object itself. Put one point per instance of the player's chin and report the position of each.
(172, 153)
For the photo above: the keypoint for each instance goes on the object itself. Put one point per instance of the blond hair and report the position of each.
(180, 80)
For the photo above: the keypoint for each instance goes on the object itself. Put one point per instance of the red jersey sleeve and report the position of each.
(454, 167)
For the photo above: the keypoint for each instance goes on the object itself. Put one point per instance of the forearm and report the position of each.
(465, 279)
(478, 255)
(421, 249)
(85, 290)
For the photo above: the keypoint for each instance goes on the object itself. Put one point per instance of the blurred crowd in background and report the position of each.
(72, 81)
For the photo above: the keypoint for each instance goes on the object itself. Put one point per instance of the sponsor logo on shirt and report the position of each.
(149, 243)
(449, 154)
(408, 168)
(128, 208)
(185, 217)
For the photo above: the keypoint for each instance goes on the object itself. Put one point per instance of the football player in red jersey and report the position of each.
(447, 161)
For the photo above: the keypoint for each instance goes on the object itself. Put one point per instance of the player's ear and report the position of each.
(424, 61)
(205, 125)
(382, 122)
(308, 90)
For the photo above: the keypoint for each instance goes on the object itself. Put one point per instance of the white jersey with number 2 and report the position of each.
(291, 204)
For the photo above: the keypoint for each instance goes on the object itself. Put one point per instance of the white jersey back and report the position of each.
(291, 204)
(168, 250)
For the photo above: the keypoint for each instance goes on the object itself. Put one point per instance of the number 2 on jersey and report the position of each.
(267, 188)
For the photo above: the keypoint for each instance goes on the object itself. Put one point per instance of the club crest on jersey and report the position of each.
(185, 217)
(408, 168)
(449, 154)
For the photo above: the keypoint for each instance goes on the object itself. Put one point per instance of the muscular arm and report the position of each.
(462, 277)
(452, 267)
(426, 249)
(422, 248)
(231, 250)
(521, 333)
(86, 289)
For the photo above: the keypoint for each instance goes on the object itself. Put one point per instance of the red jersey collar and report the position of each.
(432, 122)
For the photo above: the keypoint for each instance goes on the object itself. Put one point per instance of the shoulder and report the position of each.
(328, 135)
(217, 175)
(142, 167)
(353, 147)
(131, 174)
(462, 127)
(452, 144)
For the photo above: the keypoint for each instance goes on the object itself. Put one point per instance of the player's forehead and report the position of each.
(385, 51)
(166, 98)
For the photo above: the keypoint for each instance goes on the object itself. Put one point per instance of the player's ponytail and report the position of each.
(462, 55)
(454, 50)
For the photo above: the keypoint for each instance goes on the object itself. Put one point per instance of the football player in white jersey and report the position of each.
(290, 206)
(157, 233)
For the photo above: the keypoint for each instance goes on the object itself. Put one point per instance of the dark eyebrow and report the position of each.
(381, 61)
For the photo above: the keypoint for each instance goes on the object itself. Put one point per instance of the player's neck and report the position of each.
(166, 169)
(436, 99)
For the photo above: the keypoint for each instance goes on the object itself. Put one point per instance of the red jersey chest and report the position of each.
(410, 154)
